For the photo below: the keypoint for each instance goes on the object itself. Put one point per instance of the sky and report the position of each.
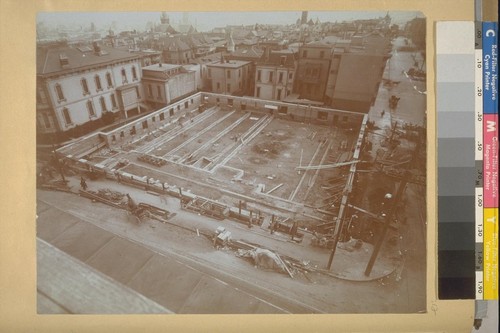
(204, 21)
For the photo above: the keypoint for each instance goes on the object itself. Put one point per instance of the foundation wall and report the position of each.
(300, 113)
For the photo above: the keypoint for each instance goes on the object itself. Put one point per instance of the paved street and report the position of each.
(106, 239)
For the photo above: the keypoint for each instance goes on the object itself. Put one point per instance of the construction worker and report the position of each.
(83, 183)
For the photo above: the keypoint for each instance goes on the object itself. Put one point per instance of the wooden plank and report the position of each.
(78, 288)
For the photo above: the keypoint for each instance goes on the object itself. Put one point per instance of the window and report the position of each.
(109, 80)
(321, 54)
(122, 134)
(40, 96)
(186, 104)
(278, 96)
(153, 119)
(144, 124)
(90, 109)
(162, 116)
(290, 76)
(322, 115)
(113, 101)
(171, 112)
(85, 86)
(132, 130)
(282, 60)
(228, 74)
(124, 76)
(98, 85)
(158, 92)
(103, 104)
(209, 73)
(271, 76)
(178, 107)
(67, 118)
(46, 120)
(59, 92)
(138, 92)
(288, 92)
(259, 73)
(134, 73)
(304, 54)
(218, 86)
(228, 86)
(113, 138)
(257, 94)
(280, 79)
(150, 91)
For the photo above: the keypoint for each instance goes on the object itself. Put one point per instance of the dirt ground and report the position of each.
(248, 153)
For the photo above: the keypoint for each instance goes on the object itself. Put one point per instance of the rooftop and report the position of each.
(161, 67)
(53, 60)
(230, 64)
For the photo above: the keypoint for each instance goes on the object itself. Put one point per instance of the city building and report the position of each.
(229, 77)
(275, 75)
(175, 50)
(166, 83)
(312, 71)
(355, 75)
(82, 88)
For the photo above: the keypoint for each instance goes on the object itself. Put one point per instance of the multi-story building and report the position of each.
(175, 50)
(252, 54)
(229, 77)
(275, 75)
(77, 86)
(312, 71)
(166, 83)
(354, 77)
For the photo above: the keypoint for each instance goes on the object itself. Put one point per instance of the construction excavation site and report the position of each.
(260, 162)
(212, 183)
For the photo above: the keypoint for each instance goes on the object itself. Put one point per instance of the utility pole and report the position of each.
(388, 220)
(58, 162)
(338, 227)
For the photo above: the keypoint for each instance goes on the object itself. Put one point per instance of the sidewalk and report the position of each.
(346, 265)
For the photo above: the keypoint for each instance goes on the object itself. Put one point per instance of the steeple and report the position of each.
(164, 18)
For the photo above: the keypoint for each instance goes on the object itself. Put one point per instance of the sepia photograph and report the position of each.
(231, 162)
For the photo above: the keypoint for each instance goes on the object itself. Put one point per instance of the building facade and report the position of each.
(230, 77)
(78, 86)
(166, 83)
(312, 71)
(274, 76)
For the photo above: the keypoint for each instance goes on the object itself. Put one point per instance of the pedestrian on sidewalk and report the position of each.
(83, 183)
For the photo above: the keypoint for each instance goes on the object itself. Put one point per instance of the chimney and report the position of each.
(63, 60)
(97, 48)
